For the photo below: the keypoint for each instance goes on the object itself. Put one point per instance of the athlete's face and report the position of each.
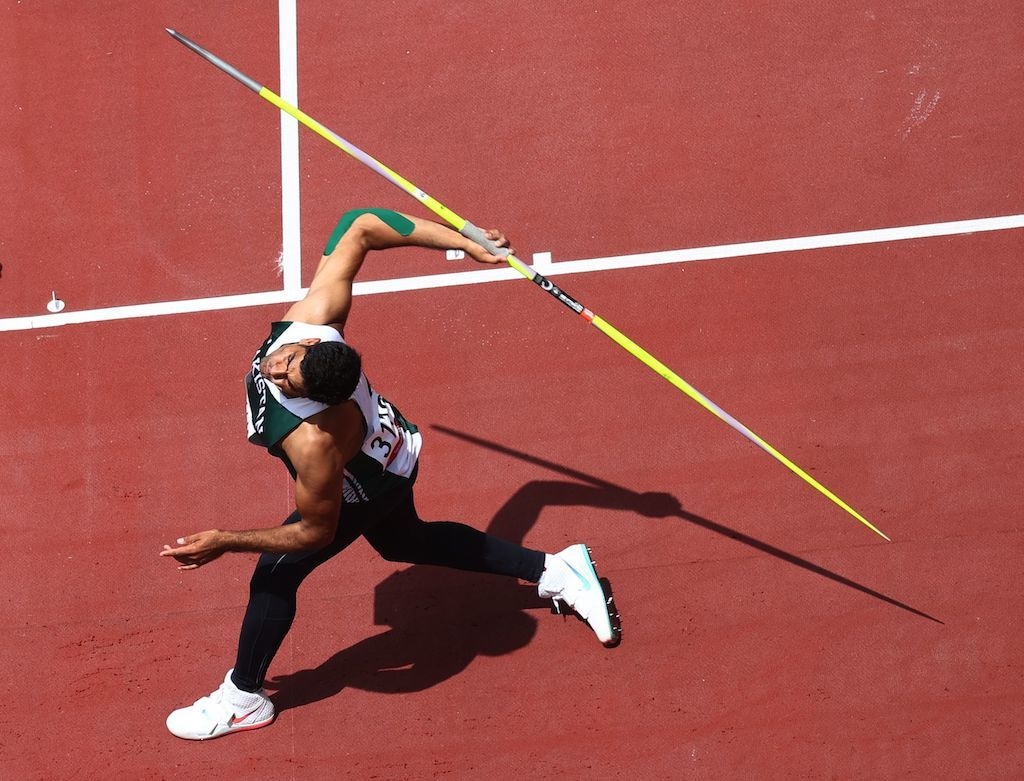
(281, 367)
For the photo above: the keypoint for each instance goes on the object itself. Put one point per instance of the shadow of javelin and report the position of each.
(663, 505)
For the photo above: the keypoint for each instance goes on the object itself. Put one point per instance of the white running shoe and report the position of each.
(570, 577)
(229, 709)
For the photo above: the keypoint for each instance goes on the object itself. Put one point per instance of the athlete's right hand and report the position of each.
(195, 550)
(480, 255)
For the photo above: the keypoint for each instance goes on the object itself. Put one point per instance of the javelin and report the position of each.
(471, 231)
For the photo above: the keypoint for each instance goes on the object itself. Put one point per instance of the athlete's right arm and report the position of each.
(329, 298)
(320, 466)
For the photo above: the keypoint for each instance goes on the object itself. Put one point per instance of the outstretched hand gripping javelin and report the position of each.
(471, 231)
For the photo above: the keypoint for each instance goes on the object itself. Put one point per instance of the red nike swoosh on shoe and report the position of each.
(235, 719)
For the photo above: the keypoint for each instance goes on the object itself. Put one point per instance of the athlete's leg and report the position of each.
(567, 577)
(272, 600)
(275, 582)
(240, 703)
(402, 536)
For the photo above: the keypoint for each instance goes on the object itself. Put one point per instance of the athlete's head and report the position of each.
(327, 372)
(330, 372)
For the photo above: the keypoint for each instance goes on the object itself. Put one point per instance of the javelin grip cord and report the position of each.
(473, 233)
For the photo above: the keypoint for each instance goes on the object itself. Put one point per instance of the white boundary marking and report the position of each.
(550, 268)
(823, 241)
(291, 230)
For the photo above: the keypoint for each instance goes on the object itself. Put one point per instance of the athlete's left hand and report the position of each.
(196, 550)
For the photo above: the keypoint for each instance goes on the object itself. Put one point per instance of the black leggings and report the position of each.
(392, 526)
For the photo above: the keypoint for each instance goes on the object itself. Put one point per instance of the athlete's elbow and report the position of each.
(362, 230)
(313, 537)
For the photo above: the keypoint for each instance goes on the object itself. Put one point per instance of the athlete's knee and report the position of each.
(262, 577)
(402, 547)
(397, 551)
(274, 574)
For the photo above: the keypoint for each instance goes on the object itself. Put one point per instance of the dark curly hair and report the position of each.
(330, 372)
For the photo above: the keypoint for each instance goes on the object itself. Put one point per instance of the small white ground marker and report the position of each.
(542, 261)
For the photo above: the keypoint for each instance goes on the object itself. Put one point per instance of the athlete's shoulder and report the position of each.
(335, 432)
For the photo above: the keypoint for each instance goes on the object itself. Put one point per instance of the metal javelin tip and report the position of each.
(231, 70)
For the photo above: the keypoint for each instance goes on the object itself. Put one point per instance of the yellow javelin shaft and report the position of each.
(468, 229)
(638, 352)
(661, 369)
(431, 203)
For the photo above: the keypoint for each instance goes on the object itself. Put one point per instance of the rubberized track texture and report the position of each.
(765, 634)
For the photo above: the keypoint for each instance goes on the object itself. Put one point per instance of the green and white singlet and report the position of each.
(390, 448)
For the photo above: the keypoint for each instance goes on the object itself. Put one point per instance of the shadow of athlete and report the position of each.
(656, 505)
(440, 619)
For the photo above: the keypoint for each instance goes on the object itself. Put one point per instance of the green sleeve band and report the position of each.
(400, 224)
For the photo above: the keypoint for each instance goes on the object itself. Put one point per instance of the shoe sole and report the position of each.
(228, 731)
(613, 613)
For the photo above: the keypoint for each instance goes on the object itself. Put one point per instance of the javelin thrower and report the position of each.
(354, 459)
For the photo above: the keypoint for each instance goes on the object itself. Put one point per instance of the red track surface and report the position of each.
(766, 633)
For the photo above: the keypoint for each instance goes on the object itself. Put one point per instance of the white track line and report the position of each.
(291, 238)
(549, 269)
(824, 241)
